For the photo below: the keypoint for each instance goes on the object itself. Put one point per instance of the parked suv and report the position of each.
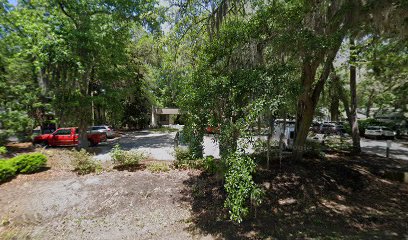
(102, 129)
(379, 132)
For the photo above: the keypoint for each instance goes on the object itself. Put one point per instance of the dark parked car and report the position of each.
(315, 127)
(328, 128)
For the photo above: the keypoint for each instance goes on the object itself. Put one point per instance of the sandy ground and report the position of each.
(112, 205)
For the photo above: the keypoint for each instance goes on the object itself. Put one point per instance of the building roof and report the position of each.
(167, 111)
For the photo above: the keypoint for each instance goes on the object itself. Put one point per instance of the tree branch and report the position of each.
(62, 7)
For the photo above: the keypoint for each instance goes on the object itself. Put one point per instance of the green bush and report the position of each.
(210, 165)
(338, 143)
(314, 150)
(126, 158)
(158, 167)
(7, 170)
(29, 163)
(84, 164)
(3, 150)
(184, 159)
(182, 154)
(240, 186)
(24, 163)
(164, 129)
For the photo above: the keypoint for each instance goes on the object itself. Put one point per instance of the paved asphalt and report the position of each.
(160, 146)
(399, 149)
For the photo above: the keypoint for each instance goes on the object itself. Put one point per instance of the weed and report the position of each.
(185, 160)
(158, 167)
(126, 158)
(84, 164)
(5, 221)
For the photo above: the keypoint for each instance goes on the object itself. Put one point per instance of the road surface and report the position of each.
(399, 149)
(160, 146)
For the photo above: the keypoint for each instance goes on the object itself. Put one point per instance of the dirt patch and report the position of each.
(332, 199)
(15, 148)
(113, 205)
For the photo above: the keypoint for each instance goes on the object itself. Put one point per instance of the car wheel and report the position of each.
(40, 145)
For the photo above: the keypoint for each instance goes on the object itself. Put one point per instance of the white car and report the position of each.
(103, 129)
(379, 132)
(317, 138)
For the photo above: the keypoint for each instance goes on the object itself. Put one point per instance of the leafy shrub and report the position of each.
(7, 170)
(24, 163)
(164, 129)
(184, 159)
(3, 150)
(29, 163)
(261, 146)
(338, 143)
(213, 166)
(182, 154)
(126, 158)
(240, 186)
(210, 165)
(84, 164)
(158, 167)
(314, 150)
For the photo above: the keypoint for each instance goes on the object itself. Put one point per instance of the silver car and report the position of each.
(103, 129)
(379, 132)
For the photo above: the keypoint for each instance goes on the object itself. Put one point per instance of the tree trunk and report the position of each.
(369, 103)
(310, 96)
(334, 109)
(303, 123)
(353, 107)
(282, 135)
(270, 134)
(85, 110)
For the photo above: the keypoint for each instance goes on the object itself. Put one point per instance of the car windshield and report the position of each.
(98, 128)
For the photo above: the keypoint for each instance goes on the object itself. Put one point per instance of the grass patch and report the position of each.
(158, 167)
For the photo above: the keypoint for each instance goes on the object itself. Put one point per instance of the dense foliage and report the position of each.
(80, 63)
(240, 186)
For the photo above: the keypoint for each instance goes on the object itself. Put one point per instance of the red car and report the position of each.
(212, 130)
(67, 137)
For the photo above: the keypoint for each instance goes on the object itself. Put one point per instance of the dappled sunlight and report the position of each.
(338, 198)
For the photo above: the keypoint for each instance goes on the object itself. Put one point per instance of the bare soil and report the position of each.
(344, 196)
